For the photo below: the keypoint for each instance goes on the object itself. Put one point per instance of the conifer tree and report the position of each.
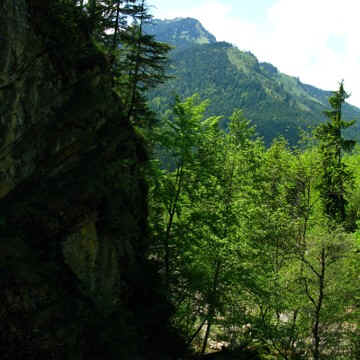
(141, 61)
(332, 145)
(136, 59)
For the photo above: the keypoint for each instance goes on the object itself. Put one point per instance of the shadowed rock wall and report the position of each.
(74, 279)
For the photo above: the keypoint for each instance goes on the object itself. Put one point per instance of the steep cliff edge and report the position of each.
(74, 279)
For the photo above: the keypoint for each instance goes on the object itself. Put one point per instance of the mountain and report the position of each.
(277, 104)
(180, 32)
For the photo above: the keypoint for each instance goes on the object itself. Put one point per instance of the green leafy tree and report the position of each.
(175, 137)
(197, 202)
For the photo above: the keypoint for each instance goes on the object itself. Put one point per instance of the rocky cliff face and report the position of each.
(75, 281)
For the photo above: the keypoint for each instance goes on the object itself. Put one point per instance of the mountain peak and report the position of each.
(180, 32)
(277, 104)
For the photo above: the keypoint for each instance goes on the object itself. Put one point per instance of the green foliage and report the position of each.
(249, 256)
(139, 66)
(332, 144)
(237, 247)
(277, 104)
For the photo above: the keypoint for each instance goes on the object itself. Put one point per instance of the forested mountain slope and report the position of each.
(276, 103)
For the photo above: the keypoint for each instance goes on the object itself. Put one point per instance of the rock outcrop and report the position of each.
(75, 282)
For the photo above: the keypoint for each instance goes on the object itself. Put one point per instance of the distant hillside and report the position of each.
(180, 32)
(276, 103)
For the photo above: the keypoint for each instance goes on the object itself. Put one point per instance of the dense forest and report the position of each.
(131, 234)
(259, 244)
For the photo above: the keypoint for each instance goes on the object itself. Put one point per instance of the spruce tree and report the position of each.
(140, 63)
(332, 145)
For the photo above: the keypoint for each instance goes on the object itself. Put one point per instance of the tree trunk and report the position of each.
(316, 333)
(211, 311)
(173, 205)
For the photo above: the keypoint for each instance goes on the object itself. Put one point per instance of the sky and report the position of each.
(315, 40)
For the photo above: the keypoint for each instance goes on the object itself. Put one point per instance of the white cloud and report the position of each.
(300, 41)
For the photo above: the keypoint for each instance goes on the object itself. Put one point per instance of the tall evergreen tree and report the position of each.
(141, 61)
(332, 144)
(136, 59)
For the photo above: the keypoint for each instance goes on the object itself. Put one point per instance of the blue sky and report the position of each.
(315, 40)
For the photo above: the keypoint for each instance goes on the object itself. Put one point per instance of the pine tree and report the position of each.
(141, 62)
(136, 59)
(332, 145)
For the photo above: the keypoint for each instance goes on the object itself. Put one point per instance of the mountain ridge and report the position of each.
(186, 32)
(276, 103)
